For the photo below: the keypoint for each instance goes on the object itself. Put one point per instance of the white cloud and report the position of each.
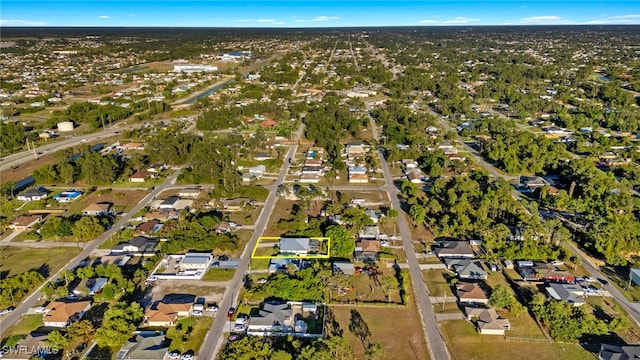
(459, 20)
(540, 19)
(267, 21)
(623, 17)
(19, 22)
(318, 19)
(245, 20)
(105, 17)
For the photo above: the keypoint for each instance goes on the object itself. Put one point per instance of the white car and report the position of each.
(174, 355)
(40, 310)
(384, 243)
(197, 313)
(84, 140)
(187, 357)
(262, 281)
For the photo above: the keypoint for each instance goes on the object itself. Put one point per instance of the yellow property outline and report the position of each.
(320, 256)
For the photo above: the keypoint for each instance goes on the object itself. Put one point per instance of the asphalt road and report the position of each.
(435, 342)
(212, 341)
(87, 249)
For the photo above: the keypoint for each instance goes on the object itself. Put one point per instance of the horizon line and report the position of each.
(311, 27)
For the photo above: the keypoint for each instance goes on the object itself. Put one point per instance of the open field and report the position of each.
(282, 210)
(466, 343)
(16, 260)
(122, 200)
(397, 329)
(437, 282)
(218, 275)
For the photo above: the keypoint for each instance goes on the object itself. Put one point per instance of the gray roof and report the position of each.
(614, 352)
(145, 345)
(294, 244)
(35, 192)
(196, 258)
(272, 314)
(454, 249)
(345, 266)
(142, 242)
(470, 269)
(566, 292)
(170, 200)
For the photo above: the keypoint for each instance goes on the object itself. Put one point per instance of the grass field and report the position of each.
(466, 343)
(27, 324)
(398, 330)
(189, 333)
(16, 260)
(437, 282)
(219, 275)
(122, 200)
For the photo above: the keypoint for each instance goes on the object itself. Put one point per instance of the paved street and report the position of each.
(88, 248)
(212, 341)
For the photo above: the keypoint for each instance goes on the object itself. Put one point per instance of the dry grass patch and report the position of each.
(437, 281)
(16, 260)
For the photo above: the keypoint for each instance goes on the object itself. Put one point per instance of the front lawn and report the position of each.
(188, 333)
(219, 275)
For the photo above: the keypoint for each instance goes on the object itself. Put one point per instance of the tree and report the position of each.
(118, 324)
(58, 340)
(501, 296)
(342, 242)
(517, 309)
(374, 351)
(359, 327)
(80, 332)
(87, 228)
(388, 284)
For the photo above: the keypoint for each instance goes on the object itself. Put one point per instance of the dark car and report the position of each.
(230, 313)
(603, 281)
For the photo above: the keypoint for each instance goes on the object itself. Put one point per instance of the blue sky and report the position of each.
(328, 13)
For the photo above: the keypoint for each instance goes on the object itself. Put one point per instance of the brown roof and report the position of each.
(358, 177)
(143, 174)
(26, 220)
(164, 312)
(268, 123)
(370, 245)
(148, 226)
(98, 207)
(61, 312)
(469, 290)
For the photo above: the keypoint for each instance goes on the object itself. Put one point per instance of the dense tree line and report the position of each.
(16, 287)
(196, 233)
(90, 167)
(288, 348)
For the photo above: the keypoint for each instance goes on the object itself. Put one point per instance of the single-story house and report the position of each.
(133, 146)
(533, 182)
(169, 203)
(235, 204)
(272, 318)
(488, 320)
(471, 293)
(619, 352)
(25, 222)
(373, 215)
(196, 261)
(97, 209)
(90, 287)
(61, 314)
(358, 178)
(139, 244)
(149, 227)
(367, 250)
(467, 268)
(355, 148)
(34, 194)
(226, 264)
(343, 267)
(312, 170)
(409, 163)
(189, 193)
(142, 176)
(34, 344)
(258, 170)
(570, 293)
(261, 156)
(309, 178)
(298, 246)
(353, 170)
(144, 345)
(67, 196)
(369, 232)
(166, 311)
(414, 177)
(454, 249)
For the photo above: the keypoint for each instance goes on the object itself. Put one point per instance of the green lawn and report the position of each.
(219, 275)
(16, 260)
(437, 281)
(26, 325)
(189, 333)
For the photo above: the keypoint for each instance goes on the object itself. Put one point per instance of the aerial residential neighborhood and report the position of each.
(429, 192)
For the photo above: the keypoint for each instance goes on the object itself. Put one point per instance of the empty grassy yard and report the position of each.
(16, 260)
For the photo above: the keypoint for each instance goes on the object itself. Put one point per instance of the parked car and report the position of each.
(40, 310)
(197, 313)
(262, 281)
(7, 310)
(213, 307)
(230, 313)
(174, 355)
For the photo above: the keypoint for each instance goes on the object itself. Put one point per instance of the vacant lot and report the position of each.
(398, 330)
(208, 290)
(438, 282)
(465, 343)
(189, 333)
(282, 210)
(122, 200)
(16, 260)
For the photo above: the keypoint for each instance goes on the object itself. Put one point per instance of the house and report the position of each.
(189, 193)
(409, 163)
(298, 246)
(165, 312)
(454, 249)
(634, 276)
(169, 203)
(572, 294)
(67, 196)
(466, 268)
(457, 157)
(353, 170)
(35, 194)
(144, 345)
(34, 345)
(488, 320)
(226, 227)
(97, 209)
(262, 156)
(414, 177)
(270, 319)
(355, 148)
(258, 170)
(343, 267)
(539, 271)
(141, 176)
(139, 245)
(367, 250)
(149, 227)
(133, 146)
(25, 222)
(90, 287)
(61, 314)
(309, 178)
(369, 232)
(471, 293)
(373, 215)
(617, 352)
(533, 182)
(358, 178)
(268, 124)
(196, 261)
(235, 204)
